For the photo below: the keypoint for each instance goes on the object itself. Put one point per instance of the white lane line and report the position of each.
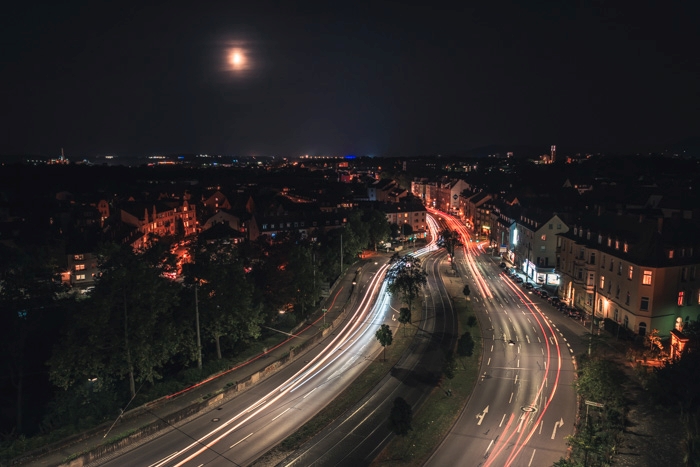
(164, 460)
(511, 398)
(309, 393)
(516, 379)
(489, 362)
(504, 417)
(518, 363)
(487, 449)
(491, 347)
(239, 442)
(541, 425)
(539, 340)
(528, 320)
(542, 349)
(532, 457)
(528, 338)
(288, 408)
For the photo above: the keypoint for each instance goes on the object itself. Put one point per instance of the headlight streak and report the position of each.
(537, 314)
(337, 343)
(337, 346)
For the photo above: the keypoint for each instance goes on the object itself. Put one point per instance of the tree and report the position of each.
(449, 365)
(466, 291)
(377, 226)
(465, 345)
(406, 278)
(225, 295)
(404, 317)
(449, 240)
(385, 337)
(401, 417)
(654, 340)
(125, 330)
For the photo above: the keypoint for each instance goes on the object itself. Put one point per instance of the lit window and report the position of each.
(78, 257)
(609, 241)
(646, 279)
(670, 254)
(625, 248)
(681, 297)
(644, 305)
(630, 272)
(602, 282)
(79, 267)
(617, 244)
(544, 237)
(80, 277)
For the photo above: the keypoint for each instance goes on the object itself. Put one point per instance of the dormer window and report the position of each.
(588, 235)
(575, 230)
(600, 239)
(625, 247)
(609, 241)
(670, 254)
(617, 244)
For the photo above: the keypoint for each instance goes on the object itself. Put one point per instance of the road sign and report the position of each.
(595, 404)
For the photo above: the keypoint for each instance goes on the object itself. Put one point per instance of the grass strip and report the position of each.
(439, 412)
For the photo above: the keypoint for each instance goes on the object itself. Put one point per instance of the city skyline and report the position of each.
(391, 79)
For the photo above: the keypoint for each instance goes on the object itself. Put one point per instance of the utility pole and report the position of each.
(196, 314)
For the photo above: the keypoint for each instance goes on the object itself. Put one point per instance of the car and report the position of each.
(528, 285)
(502, 265)
(554, 300)
(544, 294)
(519, 280)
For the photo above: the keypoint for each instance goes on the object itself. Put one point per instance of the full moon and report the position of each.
(237, 59)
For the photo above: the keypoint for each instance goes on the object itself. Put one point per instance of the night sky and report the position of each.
(379, 78)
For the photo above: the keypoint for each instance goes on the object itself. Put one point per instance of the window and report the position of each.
(78, 257)
(644, 305)
(625, 248)
(602, 282)
(626, 322)
(617, 291)
(630, 272)
(627, 299)
(80, 277)
(684, 274)
(611, 265)
(609, 241)
(619, 268)
(79, 267)
(646, 279)
(681, 298)
(670, 254)
(600, 239)
(591, 279)
(642, 329)
(544, 238)
(609, 286)
(558, 226)
(551, 226)
(592, 258)
(617, 244)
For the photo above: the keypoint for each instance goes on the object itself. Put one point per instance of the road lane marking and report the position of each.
(491, 347)
(309, 393)
(288, 408)
(541, 425)
(489, 362)
(516, 380)
(539, 340)
(164, 460)
(487, 449)
(511, 398)
(502, 420)
(528, 338)
(239, 442)
(532, 457)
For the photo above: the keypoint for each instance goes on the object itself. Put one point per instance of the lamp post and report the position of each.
(196, 315)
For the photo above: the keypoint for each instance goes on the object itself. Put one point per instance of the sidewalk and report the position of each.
(148, 420)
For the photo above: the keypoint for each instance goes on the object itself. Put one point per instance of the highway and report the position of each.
(524, 403)
(357, 438)
(240, 430)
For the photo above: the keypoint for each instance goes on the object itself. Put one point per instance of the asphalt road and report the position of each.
(524, 404)
(239, 431)
(356, 439)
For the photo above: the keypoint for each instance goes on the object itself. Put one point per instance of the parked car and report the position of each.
(503, 265)
(519, 280)
(554, 300)
(528, 285)
(544, 294)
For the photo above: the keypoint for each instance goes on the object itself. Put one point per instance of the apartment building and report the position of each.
(638, 270)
